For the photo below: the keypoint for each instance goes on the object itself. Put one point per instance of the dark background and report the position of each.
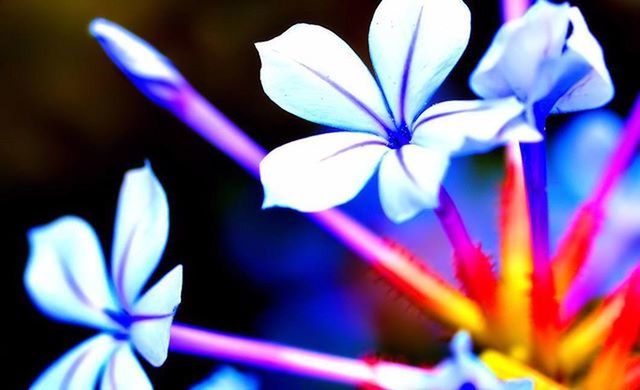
(72, 125)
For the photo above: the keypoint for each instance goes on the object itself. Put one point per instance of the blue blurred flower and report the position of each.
(579, 155)
(227, 378)
(67, 279)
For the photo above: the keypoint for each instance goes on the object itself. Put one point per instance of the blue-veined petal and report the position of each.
(140, 234)
(414, 45)
(511, 64)
(65, 274)
(312, 73)
(123, 371)
(320, 172)
(153, 315)
(410, 179)
(596, 88)
(78, 369)
(463, 127)
(150, 71)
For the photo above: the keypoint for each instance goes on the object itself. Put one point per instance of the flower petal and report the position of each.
(65, 275)
(150, 71)
(312, 73)
(79, 368)
(141, 229)
(153, 315)
(414, 45)
(320, 172)
(464, 127)
(510, 66)
(596, 88)
(124, 372)
(410, 179)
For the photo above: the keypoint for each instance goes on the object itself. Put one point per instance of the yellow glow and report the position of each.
(507, 368)
(583, 341)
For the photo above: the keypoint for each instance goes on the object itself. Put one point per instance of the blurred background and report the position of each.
(72, 125)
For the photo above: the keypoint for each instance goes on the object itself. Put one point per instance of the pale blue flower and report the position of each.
(227, 378)
(465, 371)
(313, 74)
(66, 278)
(150, 70)
(548, 57)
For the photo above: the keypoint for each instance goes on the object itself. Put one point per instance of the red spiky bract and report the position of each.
(544, 315)
(575, 246)
(475, 273)
(610, 368)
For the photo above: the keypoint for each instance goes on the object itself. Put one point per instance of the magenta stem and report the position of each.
(622, 157)
(454, 227)
(512, 9)
(205, 343)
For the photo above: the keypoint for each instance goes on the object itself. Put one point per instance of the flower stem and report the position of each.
(473, 267)
(200, 342)
(512, 9)
(406, 272)
(576, 244)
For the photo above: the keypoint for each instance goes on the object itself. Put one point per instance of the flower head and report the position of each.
(150, 70)
(464, 370)
(548, 56)
(313, 74)
(67, 279)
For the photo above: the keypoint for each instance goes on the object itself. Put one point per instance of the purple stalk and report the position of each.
(512, 9)
(199, 342)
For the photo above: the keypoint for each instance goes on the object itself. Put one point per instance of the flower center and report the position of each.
(400, 137)
(121, 317)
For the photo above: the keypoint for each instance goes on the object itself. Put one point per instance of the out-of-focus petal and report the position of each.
(410, 179)
(463, 127)
(65, 273)
(150, 71)
(596, 88)
(140, 234)
(228, 378)
(153, 315)
(79, 368)
(313, 74)
(414, 45)
(320, 172)
(510, 66)
(123, 371)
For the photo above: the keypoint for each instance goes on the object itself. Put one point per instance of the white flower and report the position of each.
(414, 44)
(548, 56)
(67, 279)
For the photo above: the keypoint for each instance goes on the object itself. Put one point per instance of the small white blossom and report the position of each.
(67, 279)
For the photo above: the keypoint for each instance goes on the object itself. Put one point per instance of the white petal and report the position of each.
(124, 372)
(140, 235)
(65, 274)
(414, 45)
(153, 315)
(79, 368)
(150, 71)
(596, 88)
(320, 172)
(464, 127)
(511, 64)
(313, 74)
(410, 179)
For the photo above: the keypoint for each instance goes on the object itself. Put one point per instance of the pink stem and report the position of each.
(413, 278)
(622, 157)
(194, 341)
(473, 267)
(512, 9)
